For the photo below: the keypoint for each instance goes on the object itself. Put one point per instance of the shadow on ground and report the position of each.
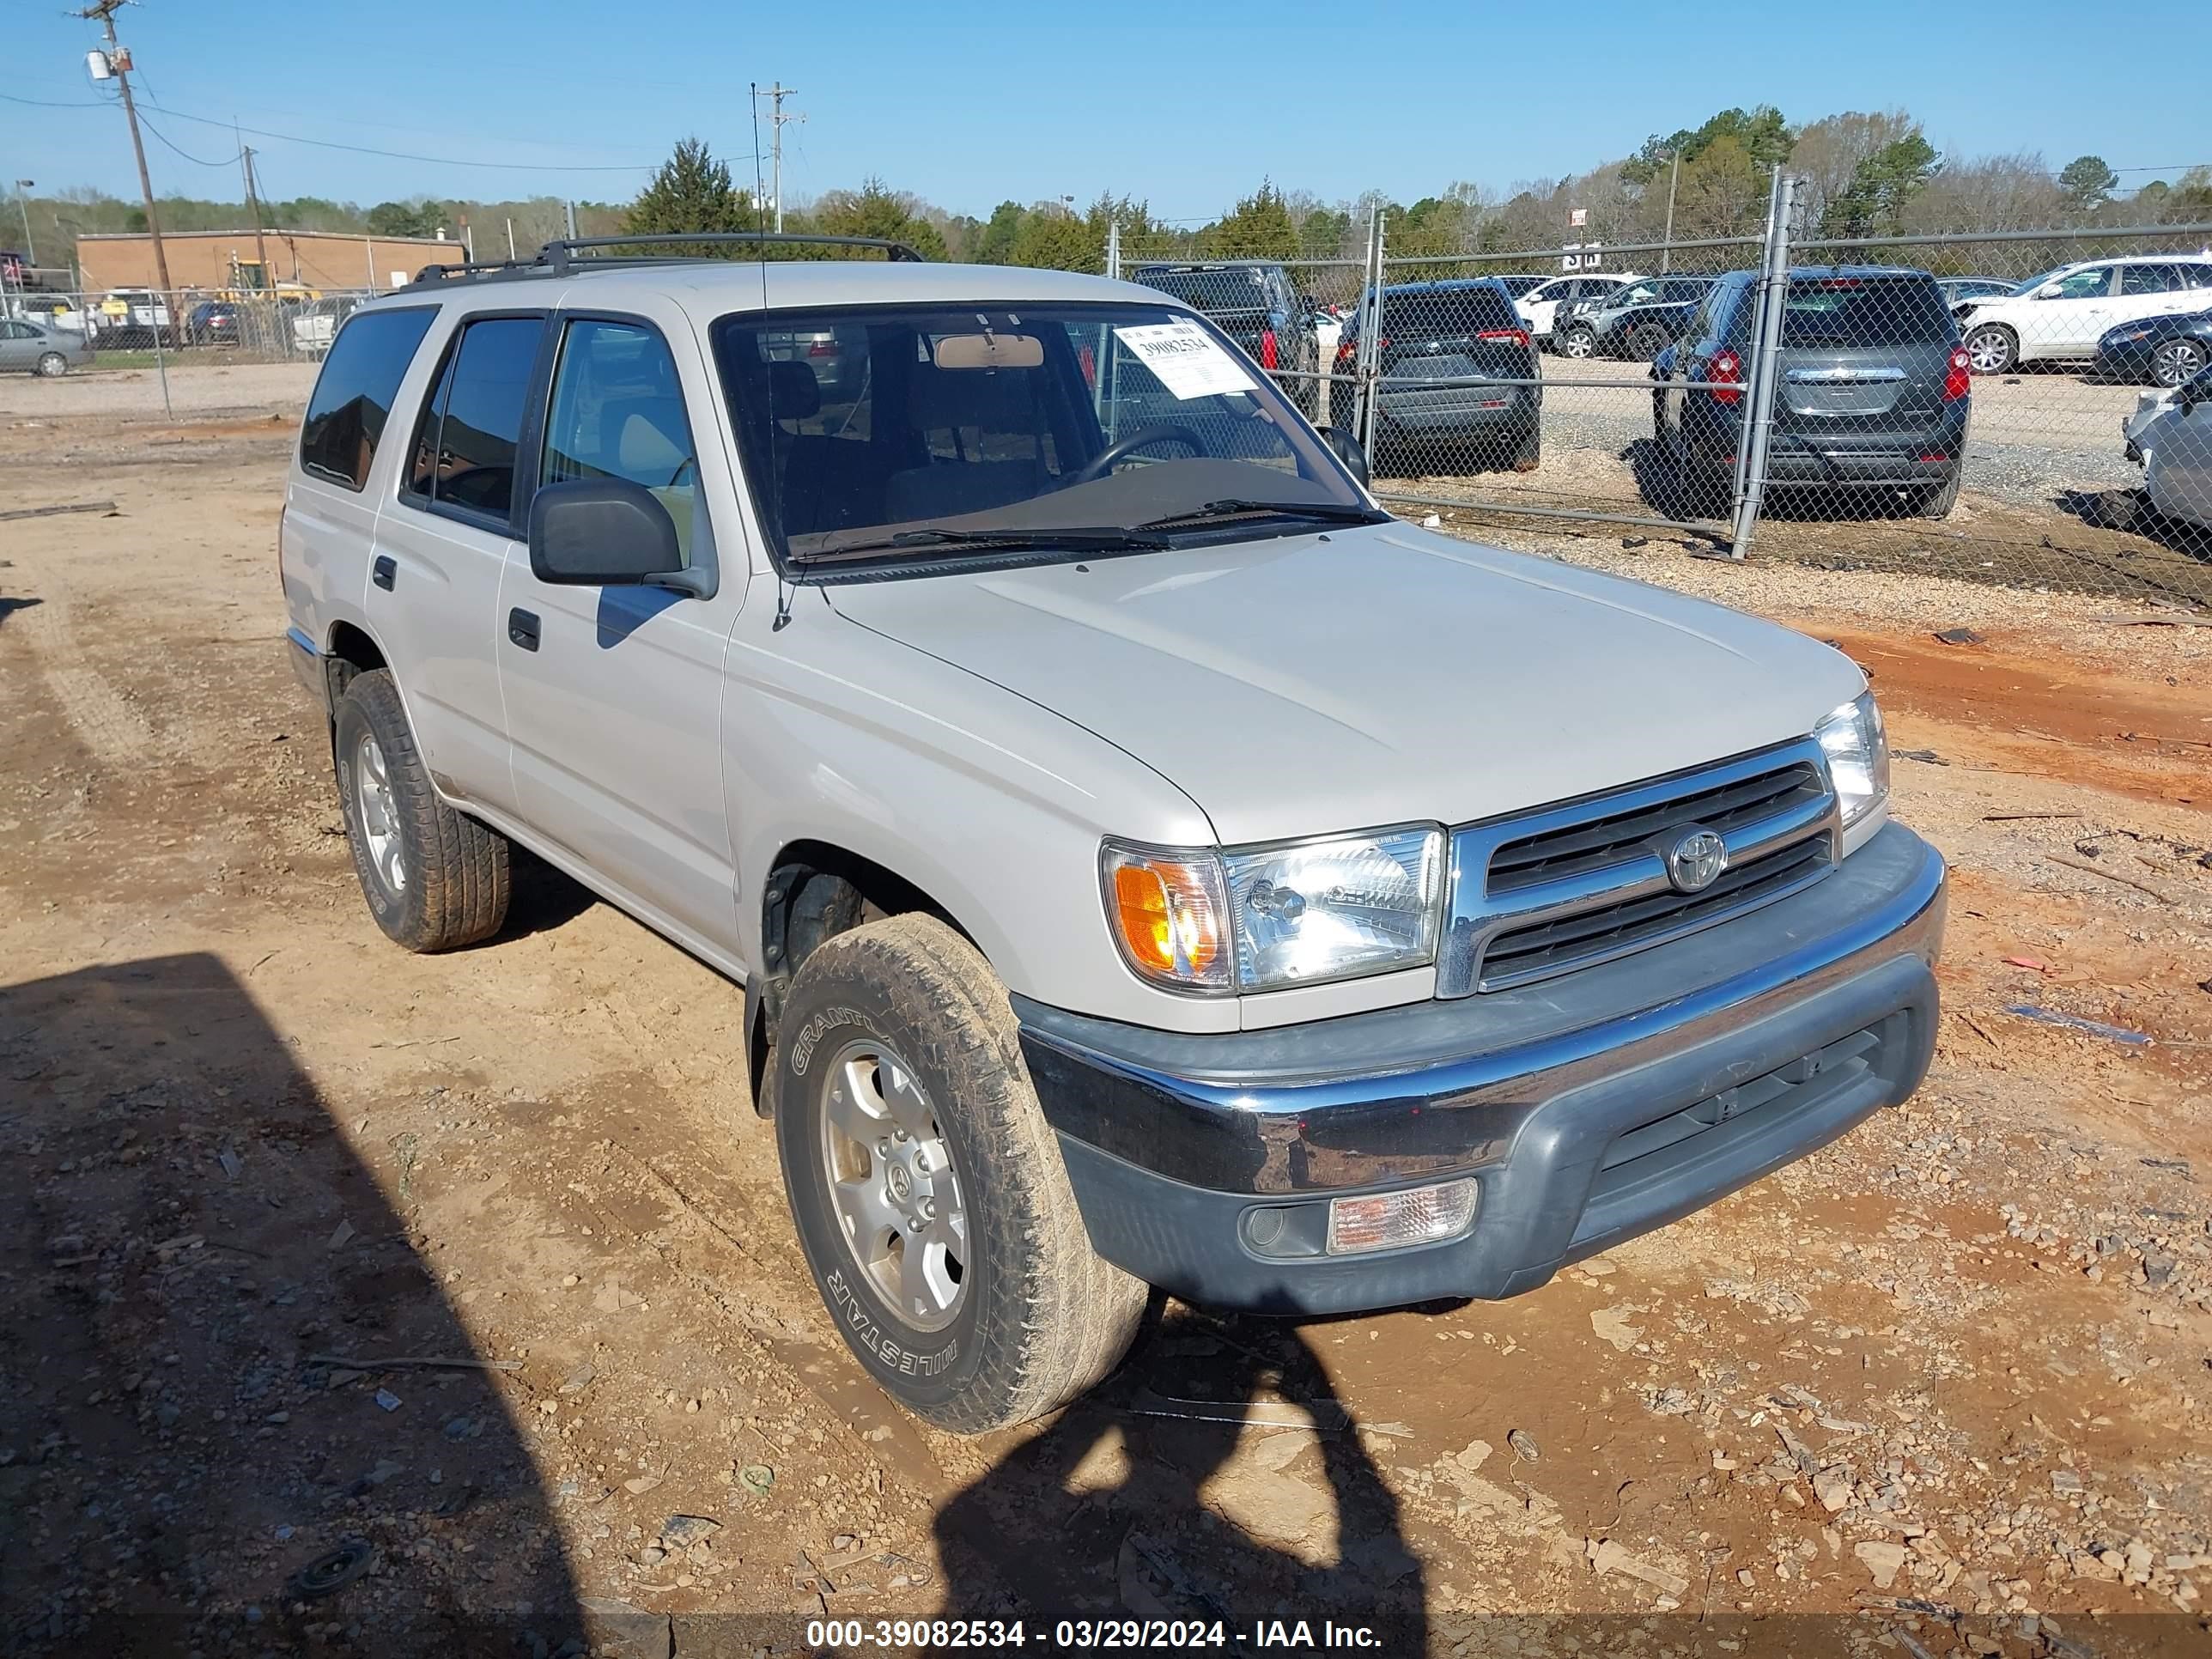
(202, 1289)
(1215, 1477)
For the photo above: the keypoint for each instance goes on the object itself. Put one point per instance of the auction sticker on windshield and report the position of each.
(1189, 360)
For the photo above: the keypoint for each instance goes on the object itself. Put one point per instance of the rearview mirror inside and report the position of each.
(606, 532)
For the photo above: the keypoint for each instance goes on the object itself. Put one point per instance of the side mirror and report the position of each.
(1345, 448)
(606, 532)
(2049, 291)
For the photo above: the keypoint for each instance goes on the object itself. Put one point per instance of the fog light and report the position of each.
(1421, 1215)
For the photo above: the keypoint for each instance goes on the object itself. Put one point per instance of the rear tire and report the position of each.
(52, 366)
(1647, 342)
(1937, 503)
(434, 878)
(1527, 454)
(1008, 1314)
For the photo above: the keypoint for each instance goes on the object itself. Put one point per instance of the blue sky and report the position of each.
(1184, 105)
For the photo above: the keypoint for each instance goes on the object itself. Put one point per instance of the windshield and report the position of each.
(1119, 425)
(2035, 282)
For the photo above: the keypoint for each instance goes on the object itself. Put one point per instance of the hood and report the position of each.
(1381, 675)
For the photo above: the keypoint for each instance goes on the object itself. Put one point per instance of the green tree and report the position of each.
(2086, 183)
(995, 245)
(1257, 227)
(877, 209)
(1052, 239)
(691, 191)
(1881, 187)
(403, 219)
(1764, 136)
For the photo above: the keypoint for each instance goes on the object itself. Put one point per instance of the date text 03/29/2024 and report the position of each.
(987, 1635)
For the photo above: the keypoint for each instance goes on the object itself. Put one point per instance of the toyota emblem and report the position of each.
(1696, 859)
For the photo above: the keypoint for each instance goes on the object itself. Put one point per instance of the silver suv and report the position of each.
(1146, 861)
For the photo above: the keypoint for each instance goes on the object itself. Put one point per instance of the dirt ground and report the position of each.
(1941, 1388)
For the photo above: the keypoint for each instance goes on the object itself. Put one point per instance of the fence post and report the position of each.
(1113, 248)
(161, 363)
(1765, 368)
(1365, 361)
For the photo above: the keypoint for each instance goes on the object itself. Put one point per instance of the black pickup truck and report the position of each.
(1255, 304)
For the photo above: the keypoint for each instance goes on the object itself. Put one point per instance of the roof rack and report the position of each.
(558, 259)
(559, 254)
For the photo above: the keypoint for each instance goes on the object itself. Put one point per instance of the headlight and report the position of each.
(1259, 918)
(1858, 757)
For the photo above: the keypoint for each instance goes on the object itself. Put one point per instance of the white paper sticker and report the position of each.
(1186, 359)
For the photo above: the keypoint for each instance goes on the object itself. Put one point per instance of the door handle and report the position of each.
(522, 628)
(383, 572)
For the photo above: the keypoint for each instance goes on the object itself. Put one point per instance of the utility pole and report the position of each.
(1675, 178)
(253, 207)
(120, 61)
(776, 94)
(30, 253)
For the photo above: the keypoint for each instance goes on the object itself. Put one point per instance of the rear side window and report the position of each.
(1865, 311)
(353, 395)
(1237, 288)
(2151, 279)
(466, 448)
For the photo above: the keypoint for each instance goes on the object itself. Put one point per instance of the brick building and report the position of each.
(211, 259)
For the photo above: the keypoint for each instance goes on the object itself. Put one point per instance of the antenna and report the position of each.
(783, 589)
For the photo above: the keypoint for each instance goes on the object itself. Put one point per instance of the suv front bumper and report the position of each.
(1588, 1108)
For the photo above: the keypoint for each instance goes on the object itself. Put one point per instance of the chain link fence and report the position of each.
(2024, 407)
(52, 331)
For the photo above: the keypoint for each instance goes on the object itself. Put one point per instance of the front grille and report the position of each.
(1568, 887)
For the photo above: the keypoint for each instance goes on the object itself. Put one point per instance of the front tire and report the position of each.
(52, 366)
(927, 1188)
(1993, 349)
(1579, 342)
(1647, 343)
(434, 878)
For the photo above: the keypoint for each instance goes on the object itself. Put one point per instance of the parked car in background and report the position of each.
(1255, 303)
(2171, 433)
(315, 324)
(1639, 319)
(1957, 289)
(1457, 386)
(1540, 306)
(132, 318)
(35, 347)
(2168, 352)
(2061, 315)
(212, 323)
(1874, 394)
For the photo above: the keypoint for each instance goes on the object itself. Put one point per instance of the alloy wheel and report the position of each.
(380, 815)
(2177, 362)
(892, 1184)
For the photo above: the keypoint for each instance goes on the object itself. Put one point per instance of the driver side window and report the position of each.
(617, 413)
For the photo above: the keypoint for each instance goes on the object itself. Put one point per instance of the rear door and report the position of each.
(20, 345)
(614, 694)
(443, 542)
(2153, 287)
(1863, 355)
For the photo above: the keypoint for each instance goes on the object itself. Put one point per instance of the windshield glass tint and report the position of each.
(1004, 420)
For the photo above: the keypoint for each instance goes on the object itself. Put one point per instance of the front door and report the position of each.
(2067, 323)
(614, 694)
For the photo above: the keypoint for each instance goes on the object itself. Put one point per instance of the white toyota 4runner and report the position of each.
(1146, 861)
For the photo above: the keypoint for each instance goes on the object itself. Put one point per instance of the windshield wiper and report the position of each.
(1106, 540)
(1237, 507)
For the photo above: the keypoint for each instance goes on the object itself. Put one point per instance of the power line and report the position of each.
(227, 160)
(357, 149)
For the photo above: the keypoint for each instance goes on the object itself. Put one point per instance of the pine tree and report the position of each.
(691, 191)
